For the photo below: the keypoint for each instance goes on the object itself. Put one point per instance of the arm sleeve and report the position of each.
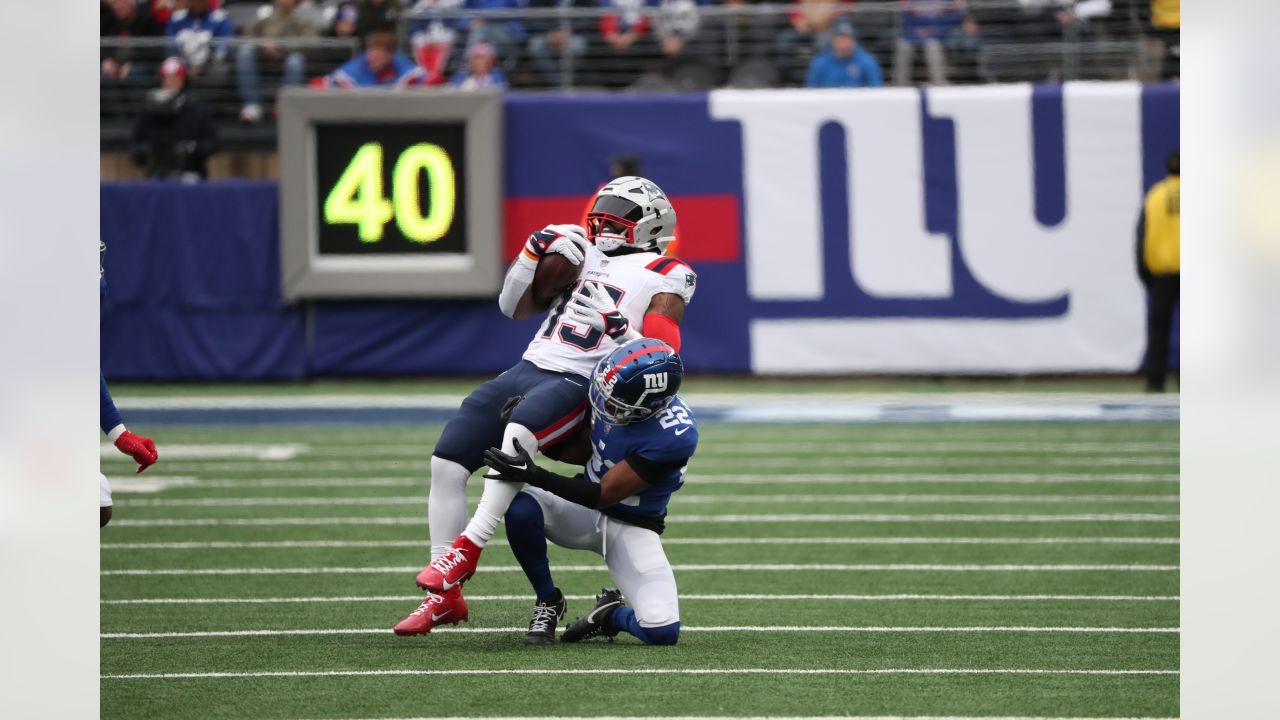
(875, 77)
(577, 489)
(108, 416)
(519, 277)
(812, 79)
(654, 472)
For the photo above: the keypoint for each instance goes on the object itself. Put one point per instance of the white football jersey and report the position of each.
(631, 280)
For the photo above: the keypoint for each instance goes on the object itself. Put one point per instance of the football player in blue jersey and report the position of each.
(641, 439)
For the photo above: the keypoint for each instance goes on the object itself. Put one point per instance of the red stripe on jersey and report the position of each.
(638, 353)
(664, 265)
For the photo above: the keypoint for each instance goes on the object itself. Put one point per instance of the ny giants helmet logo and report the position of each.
(656, 382)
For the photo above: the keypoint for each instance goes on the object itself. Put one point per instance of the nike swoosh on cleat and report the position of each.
(436, 618)
(591, 616)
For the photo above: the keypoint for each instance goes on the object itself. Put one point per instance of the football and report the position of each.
(554, 274)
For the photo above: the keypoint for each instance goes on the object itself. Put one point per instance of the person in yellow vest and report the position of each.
(1158, 268)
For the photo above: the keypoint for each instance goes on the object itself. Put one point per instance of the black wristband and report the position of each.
(577, 489)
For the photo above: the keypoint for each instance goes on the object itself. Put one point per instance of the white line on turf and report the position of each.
(287, 544)
(716, 629)
(683, 597)
(821, 517)
(422, 465)
(420, 480)
(764, 567)
(637, 671)
(729, 518)
(278, 451)
(679, 499)
(893, 478)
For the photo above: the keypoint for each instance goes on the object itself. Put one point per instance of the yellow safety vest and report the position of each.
(1160, 246)
(1166, 14)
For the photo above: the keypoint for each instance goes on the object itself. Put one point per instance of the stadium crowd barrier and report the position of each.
(949, 230)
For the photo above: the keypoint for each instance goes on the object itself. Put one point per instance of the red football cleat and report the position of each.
(452, 568)
(436, 609)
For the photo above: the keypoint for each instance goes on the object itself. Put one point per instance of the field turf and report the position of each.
(973, 570)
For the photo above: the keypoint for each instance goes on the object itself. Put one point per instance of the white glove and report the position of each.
(567, 240)
(595, 309)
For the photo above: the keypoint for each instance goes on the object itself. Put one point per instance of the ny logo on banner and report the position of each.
(952, 229)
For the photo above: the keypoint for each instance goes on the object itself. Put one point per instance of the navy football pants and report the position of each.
(554, 405)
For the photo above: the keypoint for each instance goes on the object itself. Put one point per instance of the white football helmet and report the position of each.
(631, 212)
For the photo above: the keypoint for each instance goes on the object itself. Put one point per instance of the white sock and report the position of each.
(446, 504)
(498, 494)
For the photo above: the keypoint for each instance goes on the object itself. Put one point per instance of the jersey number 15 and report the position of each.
(568, 332)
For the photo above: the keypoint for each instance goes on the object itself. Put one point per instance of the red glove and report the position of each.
(141, 449)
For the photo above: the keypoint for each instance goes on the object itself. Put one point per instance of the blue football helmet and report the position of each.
(635, 381)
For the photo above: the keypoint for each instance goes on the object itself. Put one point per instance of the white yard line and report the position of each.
(1000, 478)
(677, 519)
(683, 597)
(709, 629)
(633, 671)
(692, 499)
(304, 501)
(819, 517)
(287, 451)
(766, 567)
(698, 478)
(286, 544)
(421, 464)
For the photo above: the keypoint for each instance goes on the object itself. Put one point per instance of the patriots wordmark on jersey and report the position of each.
(658, 449)
(631, 281)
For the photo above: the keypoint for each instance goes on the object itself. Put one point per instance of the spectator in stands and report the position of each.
(480, 71)
(200, 35)
(174, 135)
(1159, 268)
(506, 37)
(162, 10)
(811, 26)
(381, 65)
(844, 64)
(558, 44)
(345, 18)
(755, 39)
(682, 65)
(281, 29)
(1067, 15)
(433, 37)
(377, 15)
(122, 20)
(627, 42)
(928, 24)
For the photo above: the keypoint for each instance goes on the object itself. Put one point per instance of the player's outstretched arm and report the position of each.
(141, 449)
(619, 483)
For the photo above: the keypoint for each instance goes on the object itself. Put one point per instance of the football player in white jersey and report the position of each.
(626, 289)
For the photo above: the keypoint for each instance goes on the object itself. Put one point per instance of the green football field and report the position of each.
(974, 570)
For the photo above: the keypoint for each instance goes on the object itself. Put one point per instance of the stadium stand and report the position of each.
(642, 46)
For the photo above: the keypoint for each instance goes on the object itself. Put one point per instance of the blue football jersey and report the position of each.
(658, 449)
